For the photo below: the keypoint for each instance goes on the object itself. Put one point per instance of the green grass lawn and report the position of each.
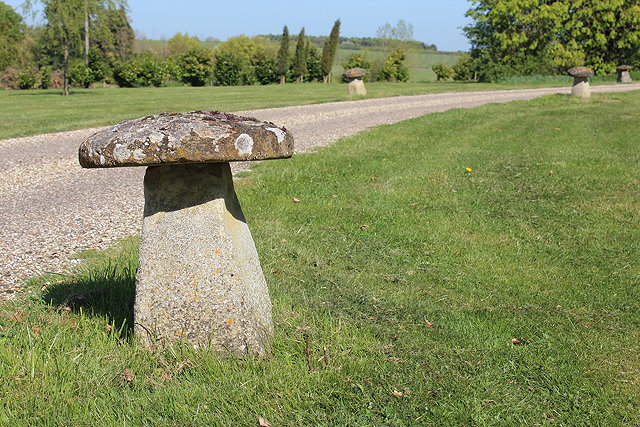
(474, 267)
(36, 111)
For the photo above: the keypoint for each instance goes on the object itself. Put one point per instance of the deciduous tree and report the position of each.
(65, 21)
(11, 35)
(511, 37)
(182, 43)
(394, 68)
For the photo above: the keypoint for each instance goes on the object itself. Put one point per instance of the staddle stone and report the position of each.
(356, 87)
(581, 88)
(623, 74)
(199, 277)
(355, 73)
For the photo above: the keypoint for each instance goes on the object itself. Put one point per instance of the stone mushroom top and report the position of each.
(178, 138)
(355, 73)
(624, 67)
(580, 72)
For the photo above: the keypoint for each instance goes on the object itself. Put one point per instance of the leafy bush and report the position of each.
(394, 68)
(45, 78)
(244, 60)
(143, 70)
(356, 60)
(85, 75)
(171, 70)
(98, 64)
(81, 75)
(314, 64)
(27, 79)
(227, 69)
(464, 68)
(265, 68)
(195, 66)
(443, 72)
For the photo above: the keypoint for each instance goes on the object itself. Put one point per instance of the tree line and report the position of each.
(84, 42)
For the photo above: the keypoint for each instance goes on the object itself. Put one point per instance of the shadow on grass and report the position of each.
(42, 92)
(105, 287)
(107, 292)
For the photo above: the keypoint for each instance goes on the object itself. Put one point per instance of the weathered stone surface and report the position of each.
(581, 88)
(195, 137)
(623, 74)
(356, 87)
(355, 73)
(199, 276)
(580, 72)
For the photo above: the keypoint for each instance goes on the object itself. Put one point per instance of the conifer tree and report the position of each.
(329, 52)
(300, 60)
(283, 55)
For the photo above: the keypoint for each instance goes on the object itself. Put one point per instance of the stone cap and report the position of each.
(355, 73)
(178, 138)
(624, 67)
(580, 72)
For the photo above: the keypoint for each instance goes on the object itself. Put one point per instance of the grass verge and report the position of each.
(473, 267)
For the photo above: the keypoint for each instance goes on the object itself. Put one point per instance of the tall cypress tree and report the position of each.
(329, 52)
(300, 62)
(283, 55)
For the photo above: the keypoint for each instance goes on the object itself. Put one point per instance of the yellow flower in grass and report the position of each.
(469, 170)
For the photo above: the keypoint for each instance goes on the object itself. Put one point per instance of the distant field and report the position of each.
(419, 62)
(160, 46)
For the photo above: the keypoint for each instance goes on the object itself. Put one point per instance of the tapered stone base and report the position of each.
(199, 277)
(356, 87)
(581, 88)
(624, 77)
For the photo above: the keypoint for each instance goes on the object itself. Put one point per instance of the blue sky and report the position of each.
(434, 21)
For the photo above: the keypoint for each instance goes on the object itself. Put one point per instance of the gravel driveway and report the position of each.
(50, 208)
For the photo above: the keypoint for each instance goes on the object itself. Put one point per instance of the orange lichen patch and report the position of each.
(230, 322)
(217, 251)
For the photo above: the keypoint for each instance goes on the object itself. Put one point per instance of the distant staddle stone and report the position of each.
(199, 277)
(356, 87)
(355, 73)
(623, 74)
(581, 88)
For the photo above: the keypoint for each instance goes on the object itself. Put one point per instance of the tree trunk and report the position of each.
(282, 80)
(66, 71)
(86, 34)
(325, 79)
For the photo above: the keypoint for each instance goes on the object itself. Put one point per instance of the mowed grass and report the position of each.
(502, 294)
(36, 111)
